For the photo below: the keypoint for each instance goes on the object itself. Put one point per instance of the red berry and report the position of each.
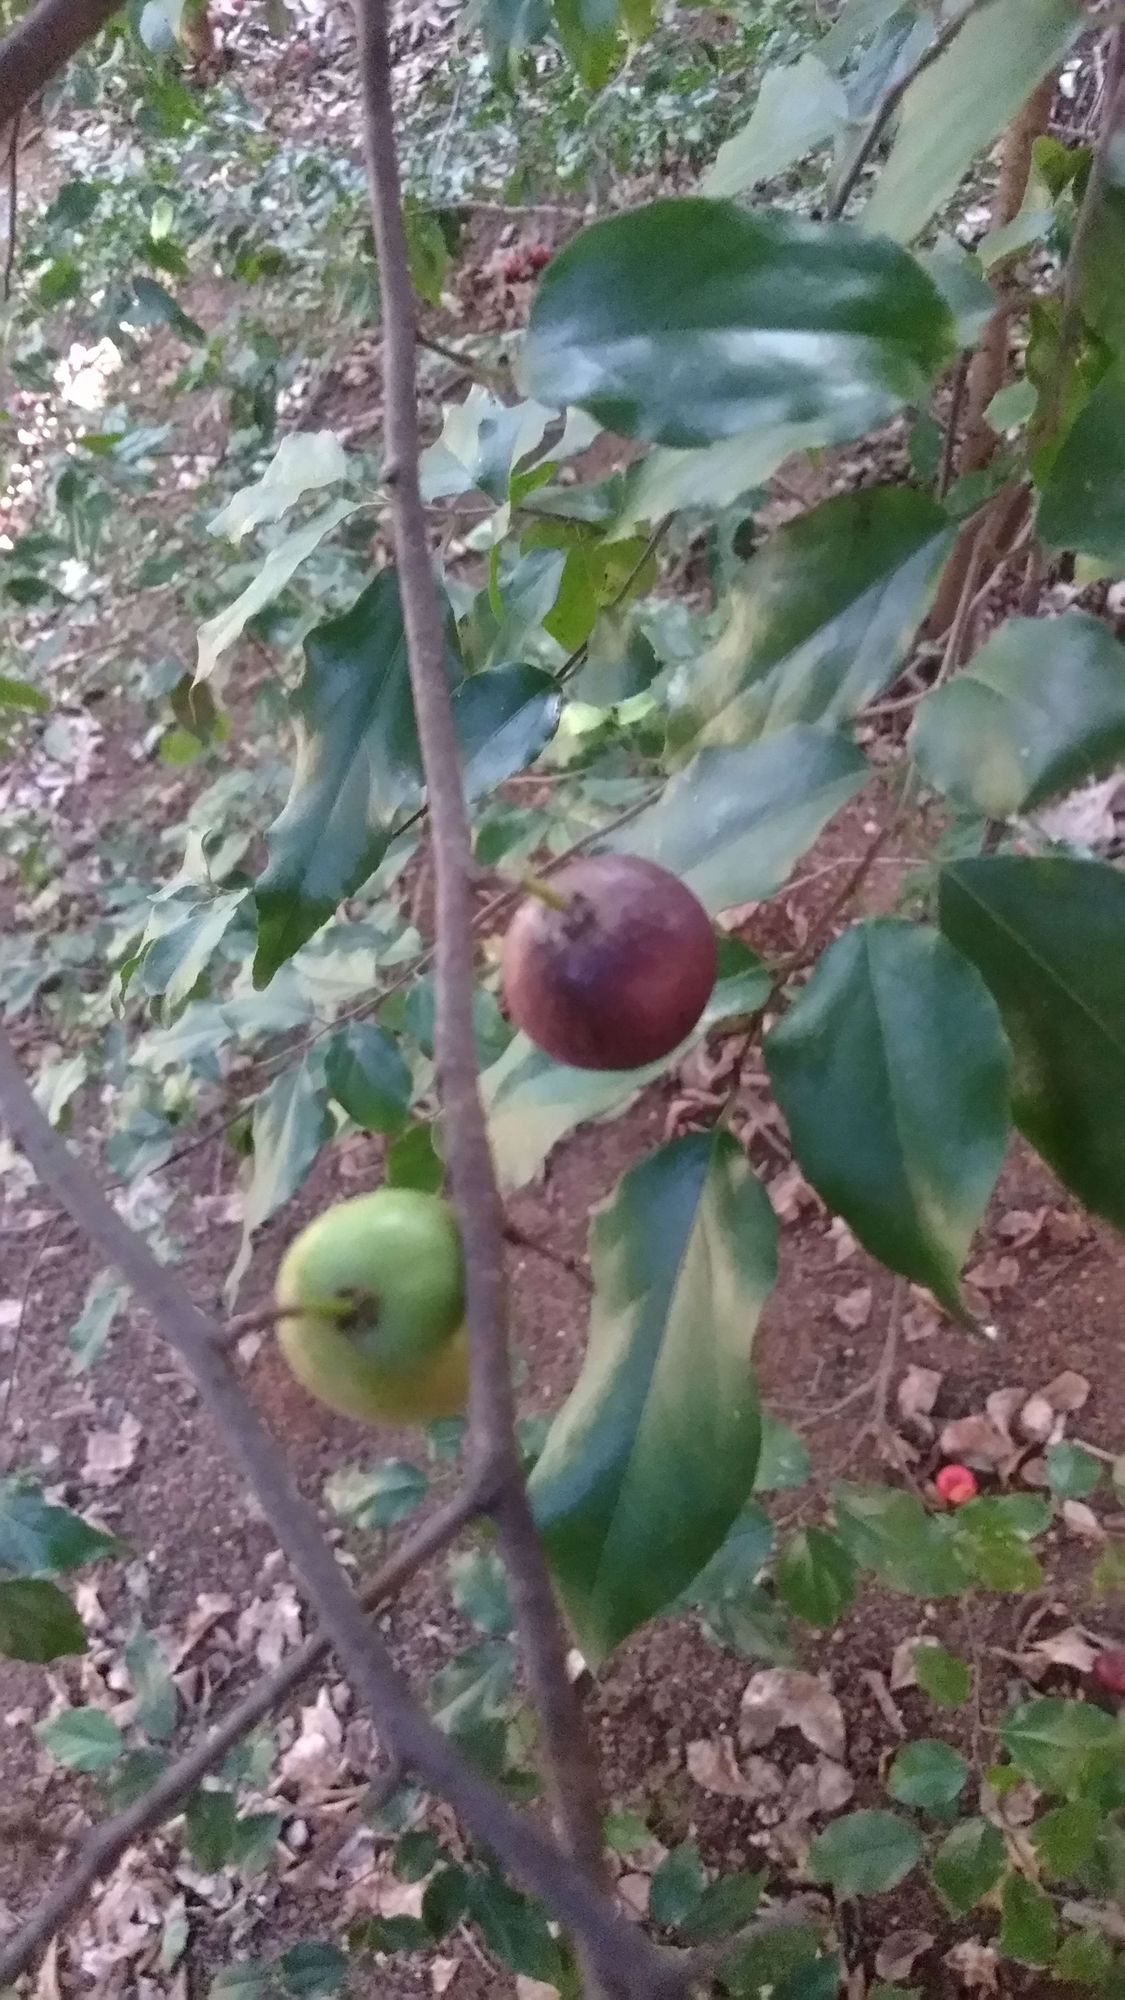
(956, 1484)
(620, 974)
(538, 255)
(1109, 1671)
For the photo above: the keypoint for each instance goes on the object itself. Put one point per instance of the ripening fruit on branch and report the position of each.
(369, 1301)
(610, 964)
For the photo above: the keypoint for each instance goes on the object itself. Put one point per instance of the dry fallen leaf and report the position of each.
(1038, 1419)
(443, 1971)
(976, 1441)
(787, 1698)
(271, 1625)
(897, 1953)
(994, 1274)
(918, 1392)
(817, 1789)
(883, 1701)
(1083, 1522)
(313, 1760)
(975, 1965)
(921, 1320)
(715, 1768)
(110, 1454)
(1021, 1226)
(790, 1194)
(633, 1890)
(1065, 1649)
(854, 1309)
(1068, 1392)
(1001, 1407)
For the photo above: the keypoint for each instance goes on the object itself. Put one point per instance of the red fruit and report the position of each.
(619, 976)
(538, 255)
(956, 1484)
(514, 267)
(1109, 1671)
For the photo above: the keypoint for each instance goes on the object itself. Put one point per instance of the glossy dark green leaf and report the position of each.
(1048, 936)
(314, 1970)
(1082, 506)
(503, 718)
(927, 1773)
(987, 73)
(515, 1929)
(820, 621)
(734, 822)
(737, 1561)
(864, 1852)
(689, 320)
(724, 1906)
(892, 1070)
(1040, 708)
(940, 1674)
(774, 1953)
(357, 764)
(890, 1532)
(1058, 1743)
(368, 1077)
(652, 1457)
(816, 1576)
(37, 1623)
(1028, 1931)
(36, 1537)
(82, 1739)
(969, 1862)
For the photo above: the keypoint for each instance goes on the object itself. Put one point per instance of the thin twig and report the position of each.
(46, 1239)
(949, 449)
(13, 205)
(403, 1725)
(492, 378)
(889, 104)
(569, 1768)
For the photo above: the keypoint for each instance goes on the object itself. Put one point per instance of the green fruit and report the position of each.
(370, 1298)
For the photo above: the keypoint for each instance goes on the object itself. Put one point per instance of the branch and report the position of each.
(13, 205)
(416, 1741)
(106, 1845)
(888, 105)
(492, 1412)
(42, 44)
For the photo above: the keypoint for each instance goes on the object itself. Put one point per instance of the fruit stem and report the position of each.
(535, 886)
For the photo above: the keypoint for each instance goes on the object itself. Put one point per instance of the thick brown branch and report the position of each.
(408, 1732)
(492, 1415)
(42, 44)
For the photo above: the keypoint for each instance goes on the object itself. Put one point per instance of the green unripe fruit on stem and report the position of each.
(370, 1298)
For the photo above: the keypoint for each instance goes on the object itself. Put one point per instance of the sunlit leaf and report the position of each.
(653, 1456)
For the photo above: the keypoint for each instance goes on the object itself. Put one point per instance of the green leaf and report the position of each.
(751, 1623)
(1085, 1958)
(799, 108)
(652, 1457)
(219, 633)
(414, 1161)
(445, 1901)
(1072, 1471)
(892, 1533)
(479, 1590)
(724, 1906)
(36, 1537)
(864, 1852)
(1048, 935)
(181, 937)
(82, 1739)
(21, 694)
(289, 1125)
(368, 1077)
(533, 1101)
(37, 1623)
(784, 1461)
(503, 718)
(969, 1862)
(1065, 1837)
(134, 1775)
(819, 622)
(590, 37)
(816, 1576)
(304, 462)
(379, 1495)
(427, 251)
(940, 1674)
(106, 1297)
(1082, 506)
(991, 68)
(775, 1952)
(892, 1071)
(1059, 1743)
(515, 1929)
(154, 1690)
(357, 763)
(1040, 708)
(734, 822)
(927, 1773)
(736, 1562)
(1028, 1931)
(211, 1823)
(314, 1970)
(677, 1886)
(687, 320)
(991, 1535)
